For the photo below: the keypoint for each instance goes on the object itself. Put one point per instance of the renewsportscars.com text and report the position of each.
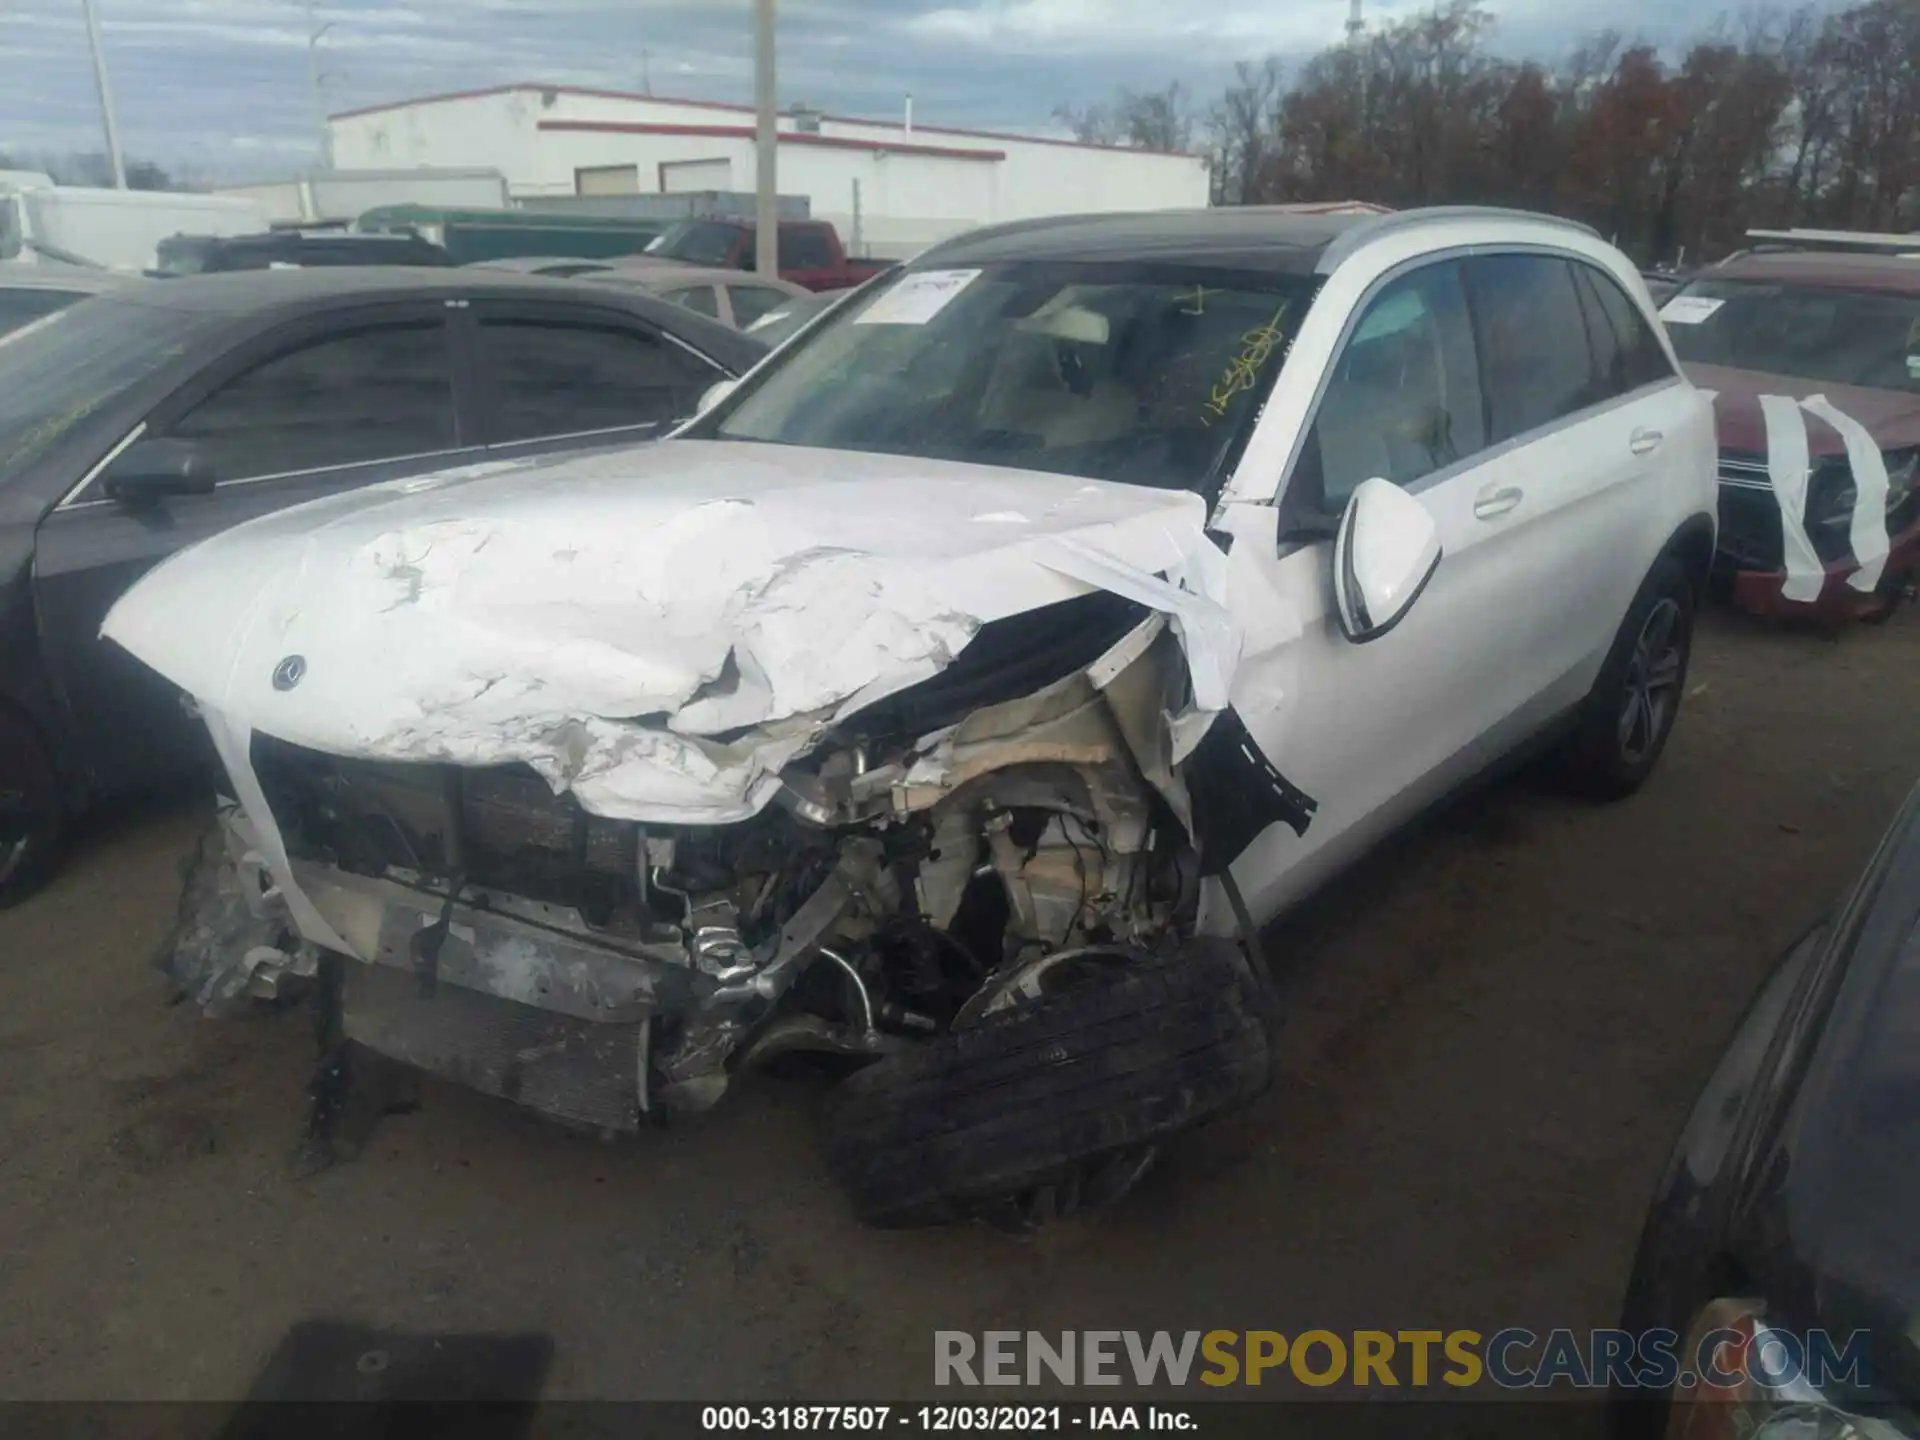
(1510, 1359)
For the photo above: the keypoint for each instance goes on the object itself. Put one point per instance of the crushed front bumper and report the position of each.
(489, 992)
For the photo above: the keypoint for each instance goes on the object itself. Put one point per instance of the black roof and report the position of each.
(264, 295)
(1277, 239)
(240, 292)
(1240, 237)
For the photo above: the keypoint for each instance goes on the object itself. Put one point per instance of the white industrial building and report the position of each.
(892, 185)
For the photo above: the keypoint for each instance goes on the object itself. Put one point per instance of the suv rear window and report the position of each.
(1810, 332)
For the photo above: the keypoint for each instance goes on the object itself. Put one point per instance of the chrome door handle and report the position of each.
(1490, 503)
(1645, 442)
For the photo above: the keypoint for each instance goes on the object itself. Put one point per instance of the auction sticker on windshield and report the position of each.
(917, 298)
(1689, 309)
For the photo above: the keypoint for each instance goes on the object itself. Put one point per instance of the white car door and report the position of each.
(1566, 487)
(1376, 730)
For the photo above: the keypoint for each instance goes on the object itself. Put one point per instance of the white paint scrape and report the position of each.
(659, 630)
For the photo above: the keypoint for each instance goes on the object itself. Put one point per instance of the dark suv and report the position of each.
(291, 249)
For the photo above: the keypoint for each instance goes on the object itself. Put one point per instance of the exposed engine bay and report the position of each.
(596, 796)
(938, 848)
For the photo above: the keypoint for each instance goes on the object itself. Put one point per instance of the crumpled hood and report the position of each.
(659, 629)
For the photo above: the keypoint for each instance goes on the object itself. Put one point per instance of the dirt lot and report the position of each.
(1495, 1031)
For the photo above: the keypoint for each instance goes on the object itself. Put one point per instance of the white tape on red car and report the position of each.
(1788, 466)
(1868, 535)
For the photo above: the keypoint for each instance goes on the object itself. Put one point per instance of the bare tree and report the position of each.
(1242, 130)
(1778, 117)
(1140, 120)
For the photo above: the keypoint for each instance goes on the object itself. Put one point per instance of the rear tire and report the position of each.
(1053, 1098)
(1628, 716)
(32, 823)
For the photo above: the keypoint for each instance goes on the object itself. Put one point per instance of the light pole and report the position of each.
(106, 97)
(766, 212)
(314, 33)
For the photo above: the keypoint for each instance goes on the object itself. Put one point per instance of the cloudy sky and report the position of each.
(221, 87)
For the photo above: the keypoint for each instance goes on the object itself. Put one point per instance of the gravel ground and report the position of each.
(1495, 1031)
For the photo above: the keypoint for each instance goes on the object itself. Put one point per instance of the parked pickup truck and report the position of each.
(810, 251)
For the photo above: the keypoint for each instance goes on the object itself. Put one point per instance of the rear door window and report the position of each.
(1534, 358)
(547, 376)
(1626, 355)
(374, 392)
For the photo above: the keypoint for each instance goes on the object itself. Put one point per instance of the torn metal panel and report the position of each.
(585, 1073)
(1237, 793)
(559, 965)
(234, 939)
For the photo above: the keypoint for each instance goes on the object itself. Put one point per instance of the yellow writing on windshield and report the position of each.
(1257, 345)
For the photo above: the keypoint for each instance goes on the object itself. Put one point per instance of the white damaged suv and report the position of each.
(959, 694)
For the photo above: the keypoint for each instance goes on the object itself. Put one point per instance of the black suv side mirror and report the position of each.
(148, 471)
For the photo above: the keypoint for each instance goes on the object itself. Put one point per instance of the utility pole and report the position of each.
(111, 125)
(314, 85)
(766, 211)
(1356, 42)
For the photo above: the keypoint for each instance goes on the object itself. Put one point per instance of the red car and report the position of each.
(810, 254)
(1801, 326)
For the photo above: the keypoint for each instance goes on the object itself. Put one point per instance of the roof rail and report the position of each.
(1860, 241)
(1374, 227)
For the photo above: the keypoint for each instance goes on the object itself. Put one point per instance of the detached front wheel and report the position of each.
(1054, 1095)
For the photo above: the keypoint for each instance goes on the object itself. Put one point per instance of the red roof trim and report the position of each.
(731, 108)
(787, 137)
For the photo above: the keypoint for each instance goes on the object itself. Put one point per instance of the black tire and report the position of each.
(32, 823)
(1017, 1101)
(1603, 760)
(1891, 590)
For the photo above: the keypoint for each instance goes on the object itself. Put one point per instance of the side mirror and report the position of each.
(714, 394)
(148, 471)
(1386, 550)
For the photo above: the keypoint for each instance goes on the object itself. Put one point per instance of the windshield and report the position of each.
(21, 305)
(1841, 337)
(1144, 374)
(63, 367)
(698, 242)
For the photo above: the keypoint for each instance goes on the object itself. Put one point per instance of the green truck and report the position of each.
(470, 235)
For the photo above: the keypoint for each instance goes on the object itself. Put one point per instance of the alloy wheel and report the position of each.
(1653, 681)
